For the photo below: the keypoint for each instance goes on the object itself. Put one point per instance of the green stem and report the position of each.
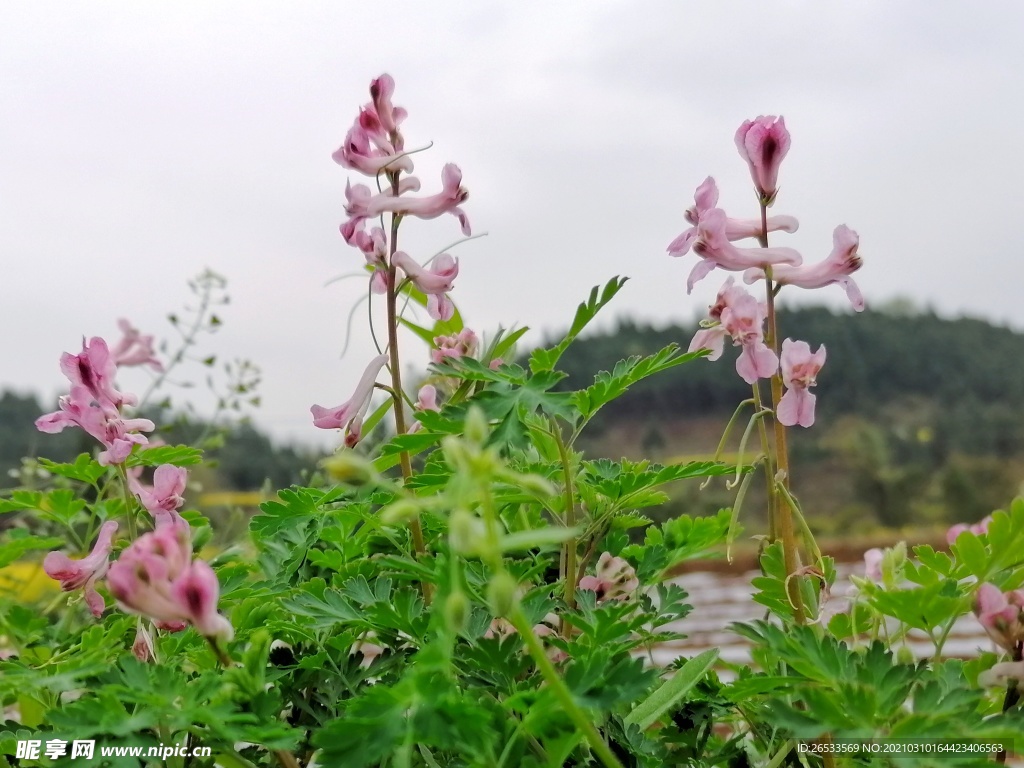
(1012, 694)
(396, 377)
(129, 508)
(569, 548)
(783, 512)
(579, 718)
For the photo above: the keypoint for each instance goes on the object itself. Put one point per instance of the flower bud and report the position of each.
(400, 512)
(456, 611)
(501, 593)
(476, 428)
(466, 532)
(905, 656)
(351, 468)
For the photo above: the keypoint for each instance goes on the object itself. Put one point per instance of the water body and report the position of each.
(720, 599)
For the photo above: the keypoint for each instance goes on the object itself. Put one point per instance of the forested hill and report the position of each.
(970, 370)
(920, 419)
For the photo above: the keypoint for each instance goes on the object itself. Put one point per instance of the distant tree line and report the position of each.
(242, 457)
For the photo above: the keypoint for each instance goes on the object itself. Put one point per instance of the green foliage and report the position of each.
(499, 606)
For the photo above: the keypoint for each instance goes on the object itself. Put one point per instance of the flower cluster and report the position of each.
(736, 314)
(375, 146)
(94, 404)
(155, 576)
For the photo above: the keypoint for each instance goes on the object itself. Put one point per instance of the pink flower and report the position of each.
(873, 564)
(134, 348)
(763, 143)
(164, 498)
(713, 338)
(462, 344)
(426, 399)
(369, 153)
(84, 573)
(375, 248)
(977, 529)
(713, 246)
(389, 115)
(706, 200)
(741, 317)
(435, 281)
(156, 577)
(799, 372)
(743, 320)
(615, 579)
(1001, 614)
(118, 435)
(349, 415)
(94, 369)
(836, 269)
(361, 204)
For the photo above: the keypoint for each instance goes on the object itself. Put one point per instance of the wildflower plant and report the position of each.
(475, 591)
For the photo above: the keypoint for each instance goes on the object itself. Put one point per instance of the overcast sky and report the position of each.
(143, 142)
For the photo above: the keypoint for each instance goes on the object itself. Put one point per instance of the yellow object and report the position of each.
(27, 582)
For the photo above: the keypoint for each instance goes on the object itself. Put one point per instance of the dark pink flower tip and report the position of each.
(196, 591)
(764, 143)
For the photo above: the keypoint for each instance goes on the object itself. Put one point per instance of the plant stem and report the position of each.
(569, 548)
(129, 508)
(1012, 695)
(579, 718)
(396, 375)
(783, 513)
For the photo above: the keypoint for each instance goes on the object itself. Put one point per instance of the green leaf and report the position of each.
(673, 689)
(546, 359)
(84, 469)
(609, 386)
(504, 345)
(323, 607)
(178, 455)
(18, 541)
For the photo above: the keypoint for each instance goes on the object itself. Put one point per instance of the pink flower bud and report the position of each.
(142, 648)
(462, 344)
(763, 143)
(84, 573)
